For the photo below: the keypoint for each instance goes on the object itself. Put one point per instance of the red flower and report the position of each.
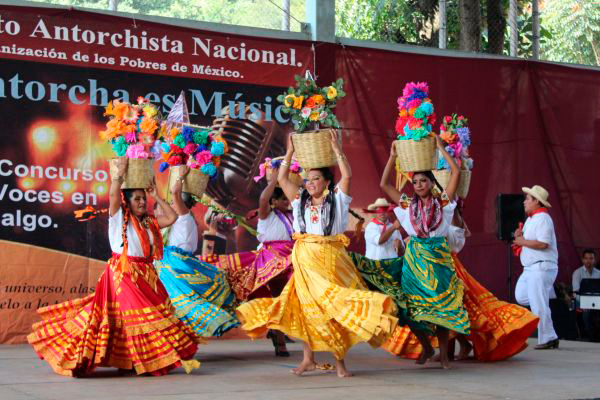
(175, 160)
(175, 149)
(447, 119)
(310, 103)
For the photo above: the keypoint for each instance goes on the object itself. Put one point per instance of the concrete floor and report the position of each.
(242, 369)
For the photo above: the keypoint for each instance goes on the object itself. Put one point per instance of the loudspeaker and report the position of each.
(509, 212)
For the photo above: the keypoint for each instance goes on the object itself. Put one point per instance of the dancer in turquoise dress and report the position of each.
(198, 290)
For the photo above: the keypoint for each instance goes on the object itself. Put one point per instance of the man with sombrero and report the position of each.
(535, 244)
(381, 236)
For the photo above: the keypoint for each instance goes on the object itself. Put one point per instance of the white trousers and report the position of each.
(533, 289)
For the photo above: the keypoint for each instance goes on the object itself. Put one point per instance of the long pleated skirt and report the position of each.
(199, 292)
(325, 303)
(128, 323)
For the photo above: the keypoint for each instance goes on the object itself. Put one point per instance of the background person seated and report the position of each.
(586, 318)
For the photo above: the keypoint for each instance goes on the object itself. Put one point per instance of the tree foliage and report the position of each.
(575, 28)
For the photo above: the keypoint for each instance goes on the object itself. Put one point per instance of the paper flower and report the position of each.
(306, 112)
(179, 141)
(188, 134)
(209, 169)
(201, 137)
(314, 116)
(288, 100)
(150, 111)
(131, 137)
(137, 151)
(120, 146)
(148, 125)
(298, 102)
(175, 160)
(310, 103)
(203, 157)
(190, 148)
(217, 149)
(163, 166)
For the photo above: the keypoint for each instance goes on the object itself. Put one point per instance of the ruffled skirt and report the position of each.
(325, 303)
(199, 292)
(127, 323)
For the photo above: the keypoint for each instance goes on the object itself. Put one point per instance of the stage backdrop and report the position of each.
(531, 123)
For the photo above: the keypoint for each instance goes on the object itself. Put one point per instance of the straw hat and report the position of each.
(539, 193)
(379, 203)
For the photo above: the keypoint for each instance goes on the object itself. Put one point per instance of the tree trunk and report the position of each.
(113, 4)
(285, 17)
(496, 26)
(470, 25)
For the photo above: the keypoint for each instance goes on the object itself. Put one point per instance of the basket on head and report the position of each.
(415, 155)
(139, 173)
(443, 177)
(296, 178)
(194, 182)
(313, 149)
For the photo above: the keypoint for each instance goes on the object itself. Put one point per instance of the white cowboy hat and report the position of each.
(381, 202)
(539, 193)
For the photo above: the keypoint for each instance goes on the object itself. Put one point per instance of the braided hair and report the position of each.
(328, 201)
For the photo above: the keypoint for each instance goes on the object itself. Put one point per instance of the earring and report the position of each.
(326, 192)
(435, 192)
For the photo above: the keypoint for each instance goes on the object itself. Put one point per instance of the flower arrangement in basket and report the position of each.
(415, 145)
(455, 134)
(133, 131)
(198, 148)
(270, 166)
(311, 107)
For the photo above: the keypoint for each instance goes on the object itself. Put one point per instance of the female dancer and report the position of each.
(325, 303)
(432, 289)
(127, 323)
(499, 330)
(199, 291)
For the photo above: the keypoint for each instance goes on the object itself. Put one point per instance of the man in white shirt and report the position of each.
(382, 237)
(536, 243)
(586, 271)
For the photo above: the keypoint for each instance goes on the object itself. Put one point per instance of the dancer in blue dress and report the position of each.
(199, 291)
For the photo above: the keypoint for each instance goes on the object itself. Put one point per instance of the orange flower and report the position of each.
(216, 161)
(319, 100)
(448, 136)
(298, 102)
(148, 125)
(411, 111)
(173, 133)
(121, 110)
(310, 103)
(114, 128)
(403, 113)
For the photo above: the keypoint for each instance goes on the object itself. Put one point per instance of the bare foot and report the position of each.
(436, 357)
(342, 372)
(444, 362)
(465, 350)
(305, 366)
(426, 354)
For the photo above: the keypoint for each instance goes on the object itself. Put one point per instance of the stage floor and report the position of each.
(242, 369)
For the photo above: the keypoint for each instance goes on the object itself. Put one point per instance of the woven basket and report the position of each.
(195, 181)
(296, 179)
(443, 177)
(139, 173)
(416, 155)
(313, 149)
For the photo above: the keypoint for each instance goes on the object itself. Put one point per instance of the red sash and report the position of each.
(516, 249)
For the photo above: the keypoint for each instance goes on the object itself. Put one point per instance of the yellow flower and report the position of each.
(298, 102)
(289, 100)
(314, 116)
(150, 111)
(331, 93)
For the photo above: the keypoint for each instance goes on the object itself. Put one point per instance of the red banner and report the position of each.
(83, 39)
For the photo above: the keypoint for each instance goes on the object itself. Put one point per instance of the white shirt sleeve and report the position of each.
(545, 230)
(372, 234)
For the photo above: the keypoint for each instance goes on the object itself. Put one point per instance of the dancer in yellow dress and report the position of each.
(325, 303)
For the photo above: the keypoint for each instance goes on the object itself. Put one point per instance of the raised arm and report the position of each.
(454, 170)
(345, 170)
(114, 194)
(169, 215)
(289, 188)
(264, 208)
(384, 184)
(178, 204)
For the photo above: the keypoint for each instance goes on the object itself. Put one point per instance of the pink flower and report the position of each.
(131, 137)
(203, 157)
(190, 148)
(194, 165)
(460, 117)
(137, 151)
(447, 119)
(414, 103)
(306, 112)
